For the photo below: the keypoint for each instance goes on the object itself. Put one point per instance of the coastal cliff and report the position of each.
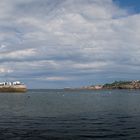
(123, 85)
(115, 85)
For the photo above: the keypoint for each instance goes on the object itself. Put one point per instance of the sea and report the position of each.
(70, 115)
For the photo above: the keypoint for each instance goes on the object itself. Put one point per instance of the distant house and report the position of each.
(98, 87)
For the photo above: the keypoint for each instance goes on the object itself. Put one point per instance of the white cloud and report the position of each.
(58, 39)
(55, 78)
(21, 53)
(18, 54)
(5, 70)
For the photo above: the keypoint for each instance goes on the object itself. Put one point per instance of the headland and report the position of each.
(135, 84)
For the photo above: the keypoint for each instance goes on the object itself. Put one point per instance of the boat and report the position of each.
(16, 86)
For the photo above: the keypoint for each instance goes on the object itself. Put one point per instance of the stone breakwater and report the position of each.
(13, 88)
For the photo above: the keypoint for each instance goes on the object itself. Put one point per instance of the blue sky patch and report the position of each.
(132, 5)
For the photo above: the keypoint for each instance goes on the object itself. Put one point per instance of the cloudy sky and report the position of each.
(69, 43)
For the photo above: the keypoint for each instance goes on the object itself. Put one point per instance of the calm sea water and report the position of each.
(70, 115)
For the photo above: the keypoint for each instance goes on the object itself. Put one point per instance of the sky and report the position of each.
(69, 43)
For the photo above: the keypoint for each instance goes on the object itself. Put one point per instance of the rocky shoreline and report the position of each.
(123, 85)
(135, 84)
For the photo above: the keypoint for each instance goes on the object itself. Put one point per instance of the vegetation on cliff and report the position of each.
(123, 85)
(115, 85)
